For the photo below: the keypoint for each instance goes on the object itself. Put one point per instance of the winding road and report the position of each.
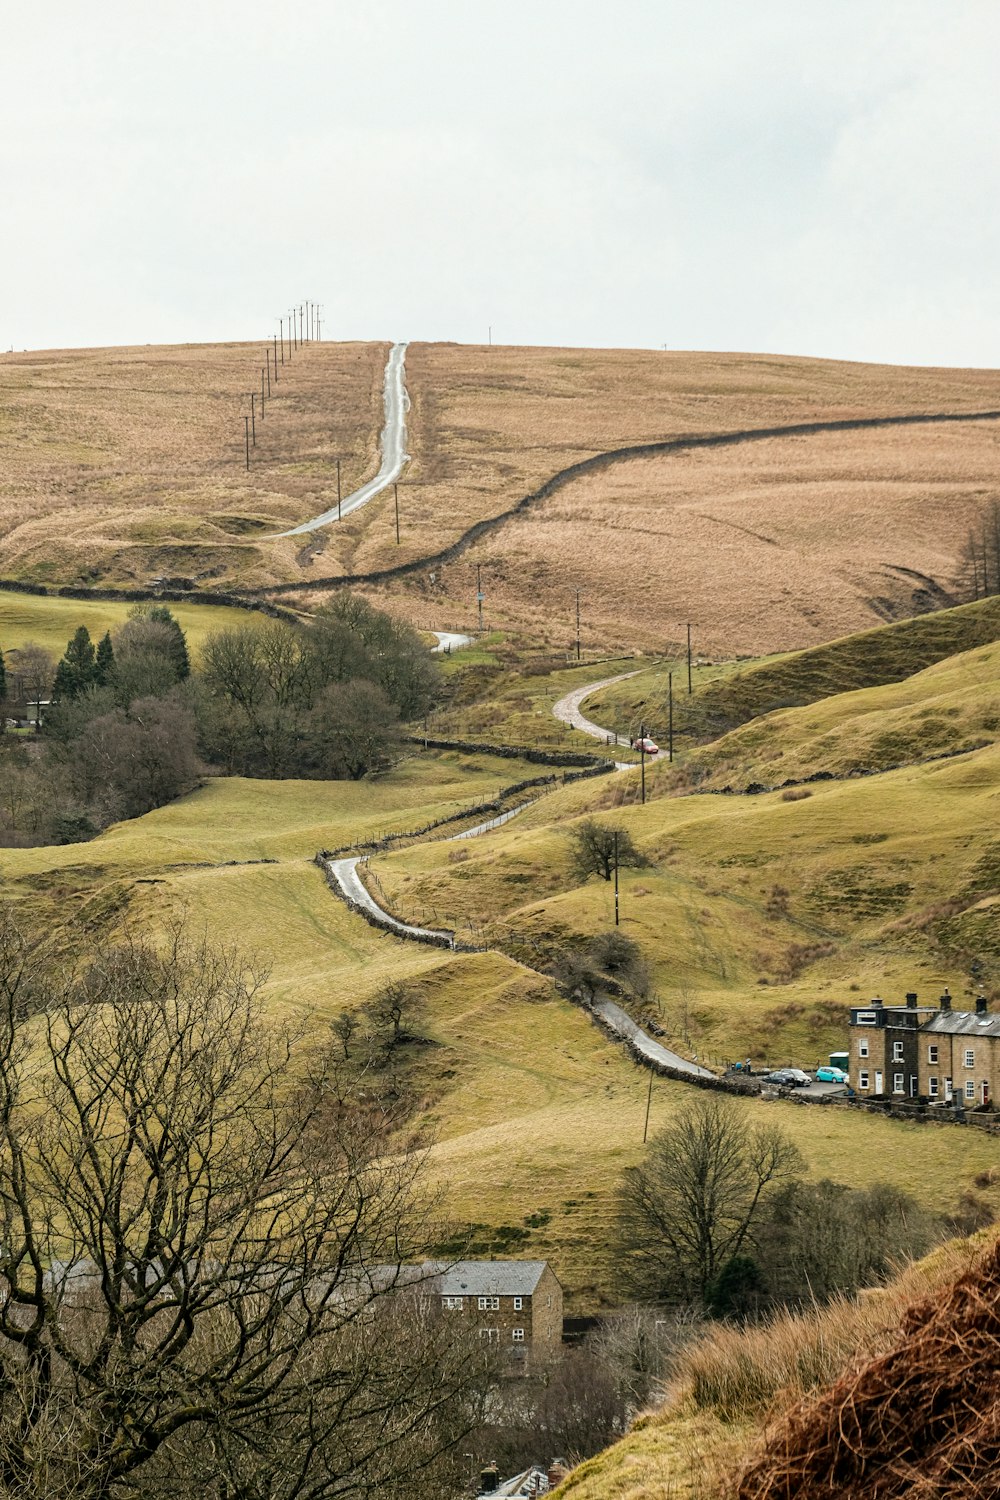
(449, 641)
(568, 708)
(392, 445)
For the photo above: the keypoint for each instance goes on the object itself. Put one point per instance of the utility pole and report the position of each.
(246, 428)
(616, 877)
(670, 716)
(268, 353)
(262, 390)
(689, 656)
(479, 594)
(649, 1100)
(395, 493)
(276, 358)
(578, 624)
(642, 760)
(490, 336)
(319, 337)
(338, 489)
(253, 417)
(281, 322)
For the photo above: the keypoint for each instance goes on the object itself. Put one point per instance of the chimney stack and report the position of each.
(981, 1005)
(911, 1000)
(946, 1001)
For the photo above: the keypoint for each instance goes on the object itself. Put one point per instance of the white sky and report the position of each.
(808, 176)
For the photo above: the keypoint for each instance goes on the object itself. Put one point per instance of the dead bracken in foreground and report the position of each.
(920, 1420)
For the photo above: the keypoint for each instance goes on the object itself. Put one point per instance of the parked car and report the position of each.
(789, 1078)
(831, 1075)
(649, 746)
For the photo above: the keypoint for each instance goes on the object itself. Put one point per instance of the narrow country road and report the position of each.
(392, 445)
(345, 873)
(622, 1024)
(568, 708)
(449, 641)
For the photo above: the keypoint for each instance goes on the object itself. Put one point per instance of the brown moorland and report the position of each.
(120, 465)
(123, 465)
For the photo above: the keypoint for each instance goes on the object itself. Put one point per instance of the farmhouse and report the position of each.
(515, 1304)
(931, 1053)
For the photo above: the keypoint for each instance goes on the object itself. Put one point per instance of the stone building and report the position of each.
(516, 1305)
(932, 1053)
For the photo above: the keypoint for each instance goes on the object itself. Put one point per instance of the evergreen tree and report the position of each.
(105, 659)
(78, 668)
(178, 649)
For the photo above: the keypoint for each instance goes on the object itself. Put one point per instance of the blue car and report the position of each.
(831, 1075)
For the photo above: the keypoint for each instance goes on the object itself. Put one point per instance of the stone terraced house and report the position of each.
(934, 1054)
(516, 1305)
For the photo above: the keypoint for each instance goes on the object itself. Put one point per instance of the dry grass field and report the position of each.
(122, 465)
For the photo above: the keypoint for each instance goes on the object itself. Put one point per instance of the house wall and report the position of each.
(950, 1064)
(539, 1317)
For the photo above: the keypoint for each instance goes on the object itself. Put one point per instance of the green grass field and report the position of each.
(50, 621)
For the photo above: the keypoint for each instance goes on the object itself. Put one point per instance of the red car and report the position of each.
(648, 745)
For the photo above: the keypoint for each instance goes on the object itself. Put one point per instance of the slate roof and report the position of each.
(491, 1278)
(962, 1023)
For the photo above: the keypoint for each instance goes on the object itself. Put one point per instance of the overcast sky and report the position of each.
(807, 176)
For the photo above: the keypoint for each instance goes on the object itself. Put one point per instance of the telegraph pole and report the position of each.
(479, 594)
(253, 417)
(262, 390)
(578, 624)
(642, 760)
(670, 716)
(616, 877)
(689, 656)
(281, 322)
(649, 1100)
(276, 358)
(338, 489)
(395, 493)
(246, 428)
(267, 351)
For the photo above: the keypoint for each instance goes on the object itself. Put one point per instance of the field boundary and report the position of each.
(605, 460)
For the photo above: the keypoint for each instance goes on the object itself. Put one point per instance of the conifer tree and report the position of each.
(77, 669)
(104, 662)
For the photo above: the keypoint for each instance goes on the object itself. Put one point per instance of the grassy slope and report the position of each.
(50, 622)
(726, 698)
(730, 1385)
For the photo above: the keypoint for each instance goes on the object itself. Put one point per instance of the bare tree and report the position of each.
(693, 1204)
(593, 849)
(199, 1262)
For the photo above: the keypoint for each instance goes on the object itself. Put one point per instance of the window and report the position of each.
(933, 1085)
(898, 1083)
(866, 1018)
(517, 1334)
(453, 1301)
(970, 1088)
(518, 1303)
(863, 1047)
(970, 1058)
(897, 1052)
(932, 1054)
(862, 1080)
(490, 1335)
(489, 1304)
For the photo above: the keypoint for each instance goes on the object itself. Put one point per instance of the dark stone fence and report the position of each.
(596, 763)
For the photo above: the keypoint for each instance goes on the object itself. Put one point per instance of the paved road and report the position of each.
(620, 1022)
(497, 822)
(345, 873)
(392, 445)
(449, 641)
(568, 708)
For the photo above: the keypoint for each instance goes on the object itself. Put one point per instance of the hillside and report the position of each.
(125, 465)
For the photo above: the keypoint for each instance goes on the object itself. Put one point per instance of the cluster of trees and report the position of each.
(201, 1237)
(979, 562)
(718, 1217)
(128, 725)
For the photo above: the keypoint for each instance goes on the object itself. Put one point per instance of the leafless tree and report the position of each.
(693, 1204)
(200, 1248)
(30, 670)
(593, 849)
